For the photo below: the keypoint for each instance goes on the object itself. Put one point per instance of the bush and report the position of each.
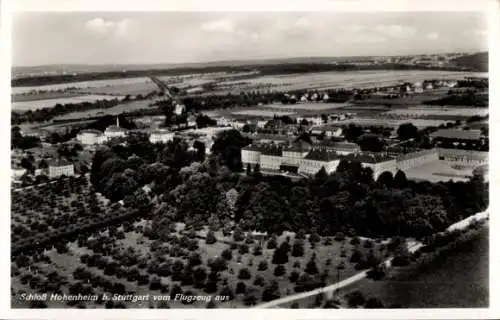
(272, 243)
(314, 238)
(294, 276)
(243, 249)
(262, 265)
(259, 281)
(368, 244)
(244, 274)
(298, 249)
(339, 236)
(355, 299)
(374, 303)
(355, 241)
(227, 254)
(240, 288)
(257, 250)
(279, 270)
(210, 239)
(295, 305)
(238, 235)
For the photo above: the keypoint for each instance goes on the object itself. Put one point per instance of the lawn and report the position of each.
(123, 89)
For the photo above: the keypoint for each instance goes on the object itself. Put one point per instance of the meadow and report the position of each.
(49, 103)
(80, 85)
(444, 111)
(121, 108)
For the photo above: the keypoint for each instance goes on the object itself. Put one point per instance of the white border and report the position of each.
(7, 6)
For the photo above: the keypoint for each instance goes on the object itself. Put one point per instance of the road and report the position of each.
(412, 247)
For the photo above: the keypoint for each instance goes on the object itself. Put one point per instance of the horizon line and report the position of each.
(241, 60)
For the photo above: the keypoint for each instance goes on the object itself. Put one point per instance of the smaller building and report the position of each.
(319, 158)
(59, 167)
(17, 172)
(162, 136)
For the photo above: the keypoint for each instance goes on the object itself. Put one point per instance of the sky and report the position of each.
(40, 38)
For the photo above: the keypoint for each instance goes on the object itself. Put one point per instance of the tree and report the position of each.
(262, 265)
(280, 255)
(385, 179)
(311, 267)
(355, 299)
(371, 142)
(238, 235)
(244, 274)
(249, 170)
(374, 303)
(227, 254)
(400, 181)
(210, 239)
(407, 131)
(321, 175)
(298, 249)
(279, 270)
(271, 292)
(240, 287)
(272, 242)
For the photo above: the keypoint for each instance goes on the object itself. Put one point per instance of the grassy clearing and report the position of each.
(123, 107)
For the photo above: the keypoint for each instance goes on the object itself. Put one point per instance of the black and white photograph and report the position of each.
(249, 160)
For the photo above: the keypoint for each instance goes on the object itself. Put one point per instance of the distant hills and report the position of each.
(474, 62)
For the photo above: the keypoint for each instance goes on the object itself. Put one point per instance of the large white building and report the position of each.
(163, 136)
(317, 159)
(91, 137)
(58, 168)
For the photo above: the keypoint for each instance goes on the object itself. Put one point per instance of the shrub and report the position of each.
(294, 276)
(298, 249)
(272, 243)
(227, 254)
(240, 288)
(279, 270)
(262, 265)
(243, 249)
(210, 239)
(339, 236)
(244, 274)
(259, 281)
(355, 241)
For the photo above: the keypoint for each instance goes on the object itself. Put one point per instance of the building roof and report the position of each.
(457, 134)
(298, 146)
(93, 131)
(115, 129)
(58, 163)
(322, 155)
(265, 149)
(369, 157)
(338, 145)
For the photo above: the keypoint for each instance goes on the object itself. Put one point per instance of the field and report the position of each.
(142, 88)
(388, 122)
(263, 113)
(42, 96)
(306, 106)
(124, 258)
(80, 85)
(330, 80)
(123, 107)
(445, 111)
(48, 103)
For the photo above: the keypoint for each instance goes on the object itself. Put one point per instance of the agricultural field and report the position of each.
(43, 96)
(123, 256)
(441, 111)
(262, 113)
(330, 80)
(49, 103)
(133, 89)
(79, 85)
(123, 107)
(390, 122)
(306, 106)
